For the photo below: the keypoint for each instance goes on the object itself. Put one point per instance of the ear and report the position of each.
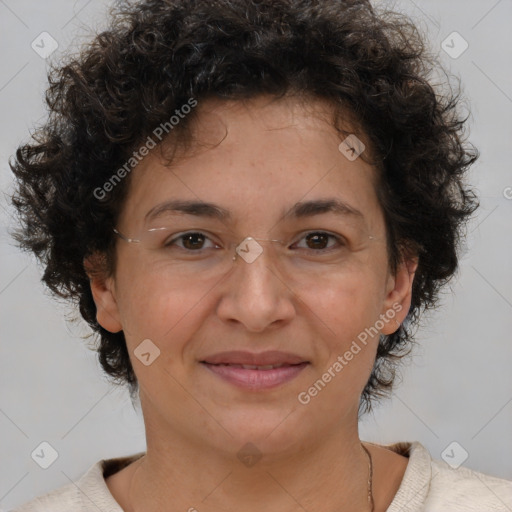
(399, 294)
(103, 292)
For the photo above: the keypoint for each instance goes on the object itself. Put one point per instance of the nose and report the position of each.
(254, 292)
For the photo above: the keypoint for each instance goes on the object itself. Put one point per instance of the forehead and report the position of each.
(255, 158)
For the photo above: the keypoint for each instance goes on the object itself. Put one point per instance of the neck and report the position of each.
(176, 474)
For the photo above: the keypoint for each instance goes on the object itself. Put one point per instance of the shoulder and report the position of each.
(432, 485)
(88, 494)
(66, 498)
(467, 489)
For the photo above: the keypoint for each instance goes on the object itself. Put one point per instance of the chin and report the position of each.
(270, 431)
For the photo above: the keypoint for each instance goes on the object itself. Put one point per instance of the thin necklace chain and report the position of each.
(370, 478)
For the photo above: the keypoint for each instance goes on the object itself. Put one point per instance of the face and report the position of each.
(313, 303)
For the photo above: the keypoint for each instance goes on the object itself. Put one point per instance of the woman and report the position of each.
(252, 203)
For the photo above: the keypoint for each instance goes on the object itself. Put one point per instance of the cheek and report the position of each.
(153, 312)
(350, 303)
(150, 304)
(346, 316)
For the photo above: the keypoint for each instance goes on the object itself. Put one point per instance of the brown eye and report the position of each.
(193, 241)
(320, 241)
(317, 240)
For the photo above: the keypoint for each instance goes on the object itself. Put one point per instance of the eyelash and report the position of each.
(339, 240)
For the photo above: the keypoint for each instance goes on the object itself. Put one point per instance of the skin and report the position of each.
(257, 159)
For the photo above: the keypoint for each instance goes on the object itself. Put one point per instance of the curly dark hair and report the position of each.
(157, 54)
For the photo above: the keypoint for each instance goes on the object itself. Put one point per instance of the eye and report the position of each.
(319, 241)
(191, 241)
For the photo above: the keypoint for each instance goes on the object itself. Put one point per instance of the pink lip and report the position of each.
(256, 379)
(274, 357)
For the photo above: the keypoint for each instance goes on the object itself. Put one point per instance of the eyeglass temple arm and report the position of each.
(131, 240)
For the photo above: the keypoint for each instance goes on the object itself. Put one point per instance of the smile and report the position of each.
(253, 366)
(255, 377)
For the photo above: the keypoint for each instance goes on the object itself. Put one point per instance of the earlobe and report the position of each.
(103, 292)
(399, 296)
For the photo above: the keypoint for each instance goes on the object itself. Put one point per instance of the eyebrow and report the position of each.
(188, 207)
(213, 211)
(319, 206)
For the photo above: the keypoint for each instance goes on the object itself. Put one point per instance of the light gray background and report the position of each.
(458, 385)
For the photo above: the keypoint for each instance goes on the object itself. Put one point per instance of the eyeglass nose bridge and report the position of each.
(249, 249)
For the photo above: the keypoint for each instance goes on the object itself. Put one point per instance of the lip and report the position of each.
(270, 357)
(257, 379)
(228, 366)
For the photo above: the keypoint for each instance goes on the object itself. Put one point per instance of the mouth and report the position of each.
(252, 366)
(260, 359)
(255, 372)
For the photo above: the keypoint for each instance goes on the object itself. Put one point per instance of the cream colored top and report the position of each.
(428, 486)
